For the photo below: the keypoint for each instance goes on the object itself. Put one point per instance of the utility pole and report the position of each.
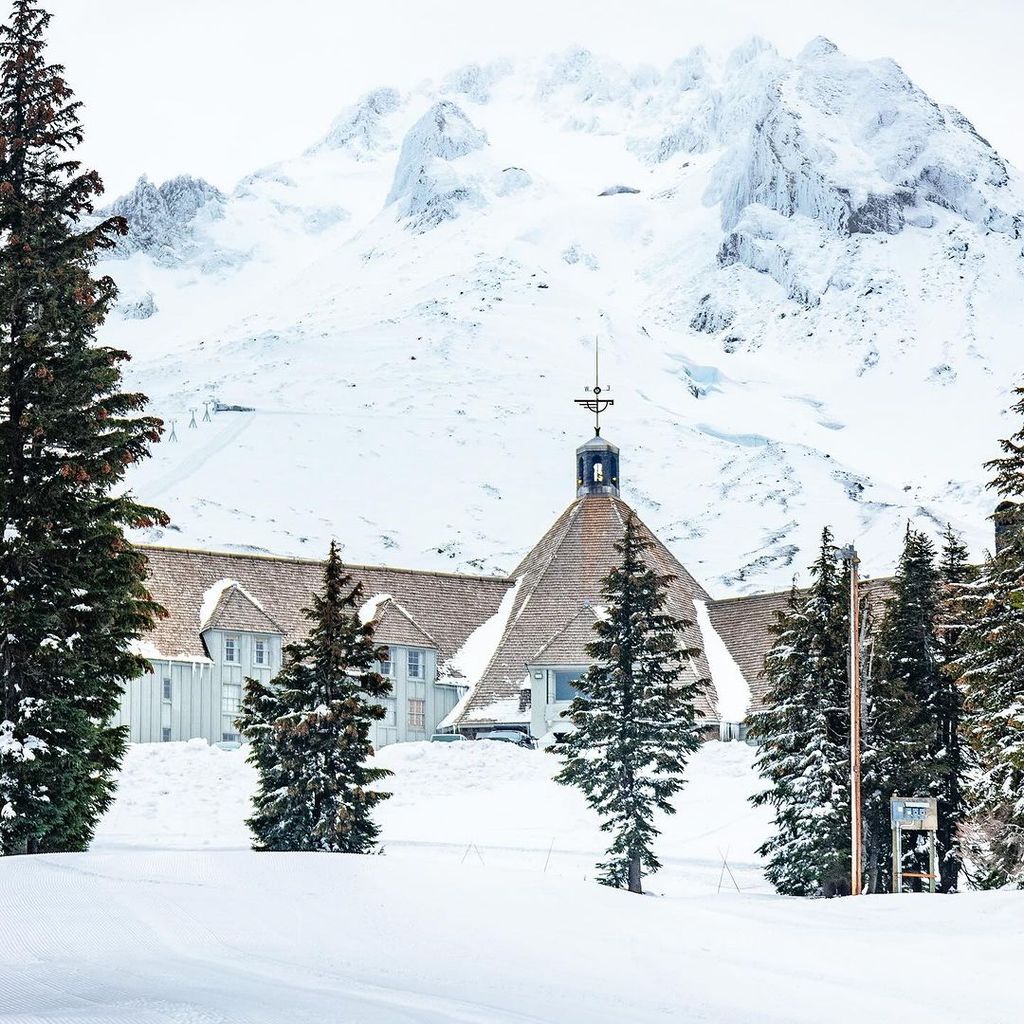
(849, 553)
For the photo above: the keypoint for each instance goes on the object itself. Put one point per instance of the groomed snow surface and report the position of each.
(482, 909)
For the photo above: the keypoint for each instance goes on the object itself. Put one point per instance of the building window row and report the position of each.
(415, 665)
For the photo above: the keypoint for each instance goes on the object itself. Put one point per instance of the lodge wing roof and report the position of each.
(743, 623)
(443, 607)
(561, 576)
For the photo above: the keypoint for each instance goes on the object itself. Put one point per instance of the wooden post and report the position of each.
(933, 861)
(897, 858)
(856, 834)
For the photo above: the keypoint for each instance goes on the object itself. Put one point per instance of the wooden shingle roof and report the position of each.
(743, 624)
(443, 607)
(235, 609)
(559, 584)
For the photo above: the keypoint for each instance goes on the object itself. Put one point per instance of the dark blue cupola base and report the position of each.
(597, 468)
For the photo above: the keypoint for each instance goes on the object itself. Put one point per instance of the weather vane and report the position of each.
(597, 404)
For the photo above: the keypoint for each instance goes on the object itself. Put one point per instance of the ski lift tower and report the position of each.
(914, 814)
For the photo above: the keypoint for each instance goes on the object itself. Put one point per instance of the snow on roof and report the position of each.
(729, 682)
(470, 660)
(212, 596)
(369, 609)
(148, 650)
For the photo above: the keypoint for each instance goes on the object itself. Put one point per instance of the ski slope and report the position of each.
(482, 909)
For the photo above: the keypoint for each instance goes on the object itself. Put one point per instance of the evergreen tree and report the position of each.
(904, 750)
(803, 733)
(309, 730)
(73, 598)
(956, 574)
(635, 716)
(993, 672)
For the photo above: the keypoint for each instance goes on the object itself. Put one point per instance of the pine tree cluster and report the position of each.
(635, 715)
(309, 730)
(72, 595)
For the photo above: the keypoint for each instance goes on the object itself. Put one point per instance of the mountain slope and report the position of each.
(803, 274)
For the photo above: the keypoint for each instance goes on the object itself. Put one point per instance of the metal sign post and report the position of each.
(914, 814)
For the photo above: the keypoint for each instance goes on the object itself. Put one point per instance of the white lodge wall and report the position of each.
(199, 698)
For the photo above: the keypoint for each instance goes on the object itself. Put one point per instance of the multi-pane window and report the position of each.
(230, 649)
(231, 699)
(165, 734)
(229, 737)
(417, 713)
(259, 652)
(564, 680)
(167, 688)
(414, 664)
(385, 663)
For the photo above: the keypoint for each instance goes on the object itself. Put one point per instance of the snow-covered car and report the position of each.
(508, 736)
(447, 737)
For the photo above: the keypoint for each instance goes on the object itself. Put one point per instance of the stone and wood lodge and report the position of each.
(467, 653)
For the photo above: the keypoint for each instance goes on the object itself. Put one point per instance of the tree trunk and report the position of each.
(634, 874)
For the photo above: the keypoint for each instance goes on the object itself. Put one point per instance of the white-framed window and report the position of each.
(166, 688)
(384, 665)
(414, 664)
(231, 650)
(229, 737)
(230, 700)
(417, 713)
(562, 681)
(165, 734)
(259, 652)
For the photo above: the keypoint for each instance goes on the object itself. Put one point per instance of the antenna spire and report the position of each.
(597, 404)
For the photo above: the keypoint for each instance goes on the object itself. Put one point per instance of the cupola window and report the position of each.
(598, 473)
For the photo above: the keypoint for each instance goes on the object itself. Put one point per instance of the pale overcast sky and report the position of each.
(219, 88)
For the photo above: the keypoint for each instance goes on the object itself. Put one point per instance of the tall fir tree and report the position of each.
(73, 598)
(309, 730)
(635, 715)
(803, 733)
(904, 748)
(993, 673)
(956, 574)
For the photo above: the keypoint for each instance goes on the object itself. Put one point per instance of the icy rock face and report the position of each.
(361, 130)
(475, 82)
(161, 220)
(427, 188)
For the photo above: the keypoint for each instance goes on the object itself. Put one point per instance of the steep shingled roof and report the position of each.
(442, 606)
(237, 610)
(743, 624)
(559, 577)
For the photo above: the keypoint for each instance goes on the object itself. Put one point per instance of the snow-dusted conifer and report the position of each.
(72, 598)
(904, 751)
(993, 671)
(635, 716)
(803, 735)
(309, 730)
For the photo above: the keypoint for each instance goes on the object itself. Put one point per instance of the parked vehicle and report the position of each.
(447, 737)
(508, 736)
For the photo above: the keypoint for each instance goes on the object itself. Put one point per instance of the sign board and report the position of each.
(909, 812)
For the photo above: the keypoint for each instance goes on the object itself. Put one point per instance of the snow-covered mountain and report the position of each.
(805, 275)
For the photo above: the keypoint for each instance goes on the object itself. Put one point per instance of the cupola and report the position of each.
(597, 468)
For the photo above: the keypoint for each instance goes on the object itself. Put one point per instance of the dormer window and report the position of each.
(259, 652)
(598, 473)
(414, 664)
(230, 650)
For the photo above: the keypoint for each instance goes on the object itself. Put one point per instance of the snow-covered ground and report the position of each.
(466, 918)
(491, 804)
